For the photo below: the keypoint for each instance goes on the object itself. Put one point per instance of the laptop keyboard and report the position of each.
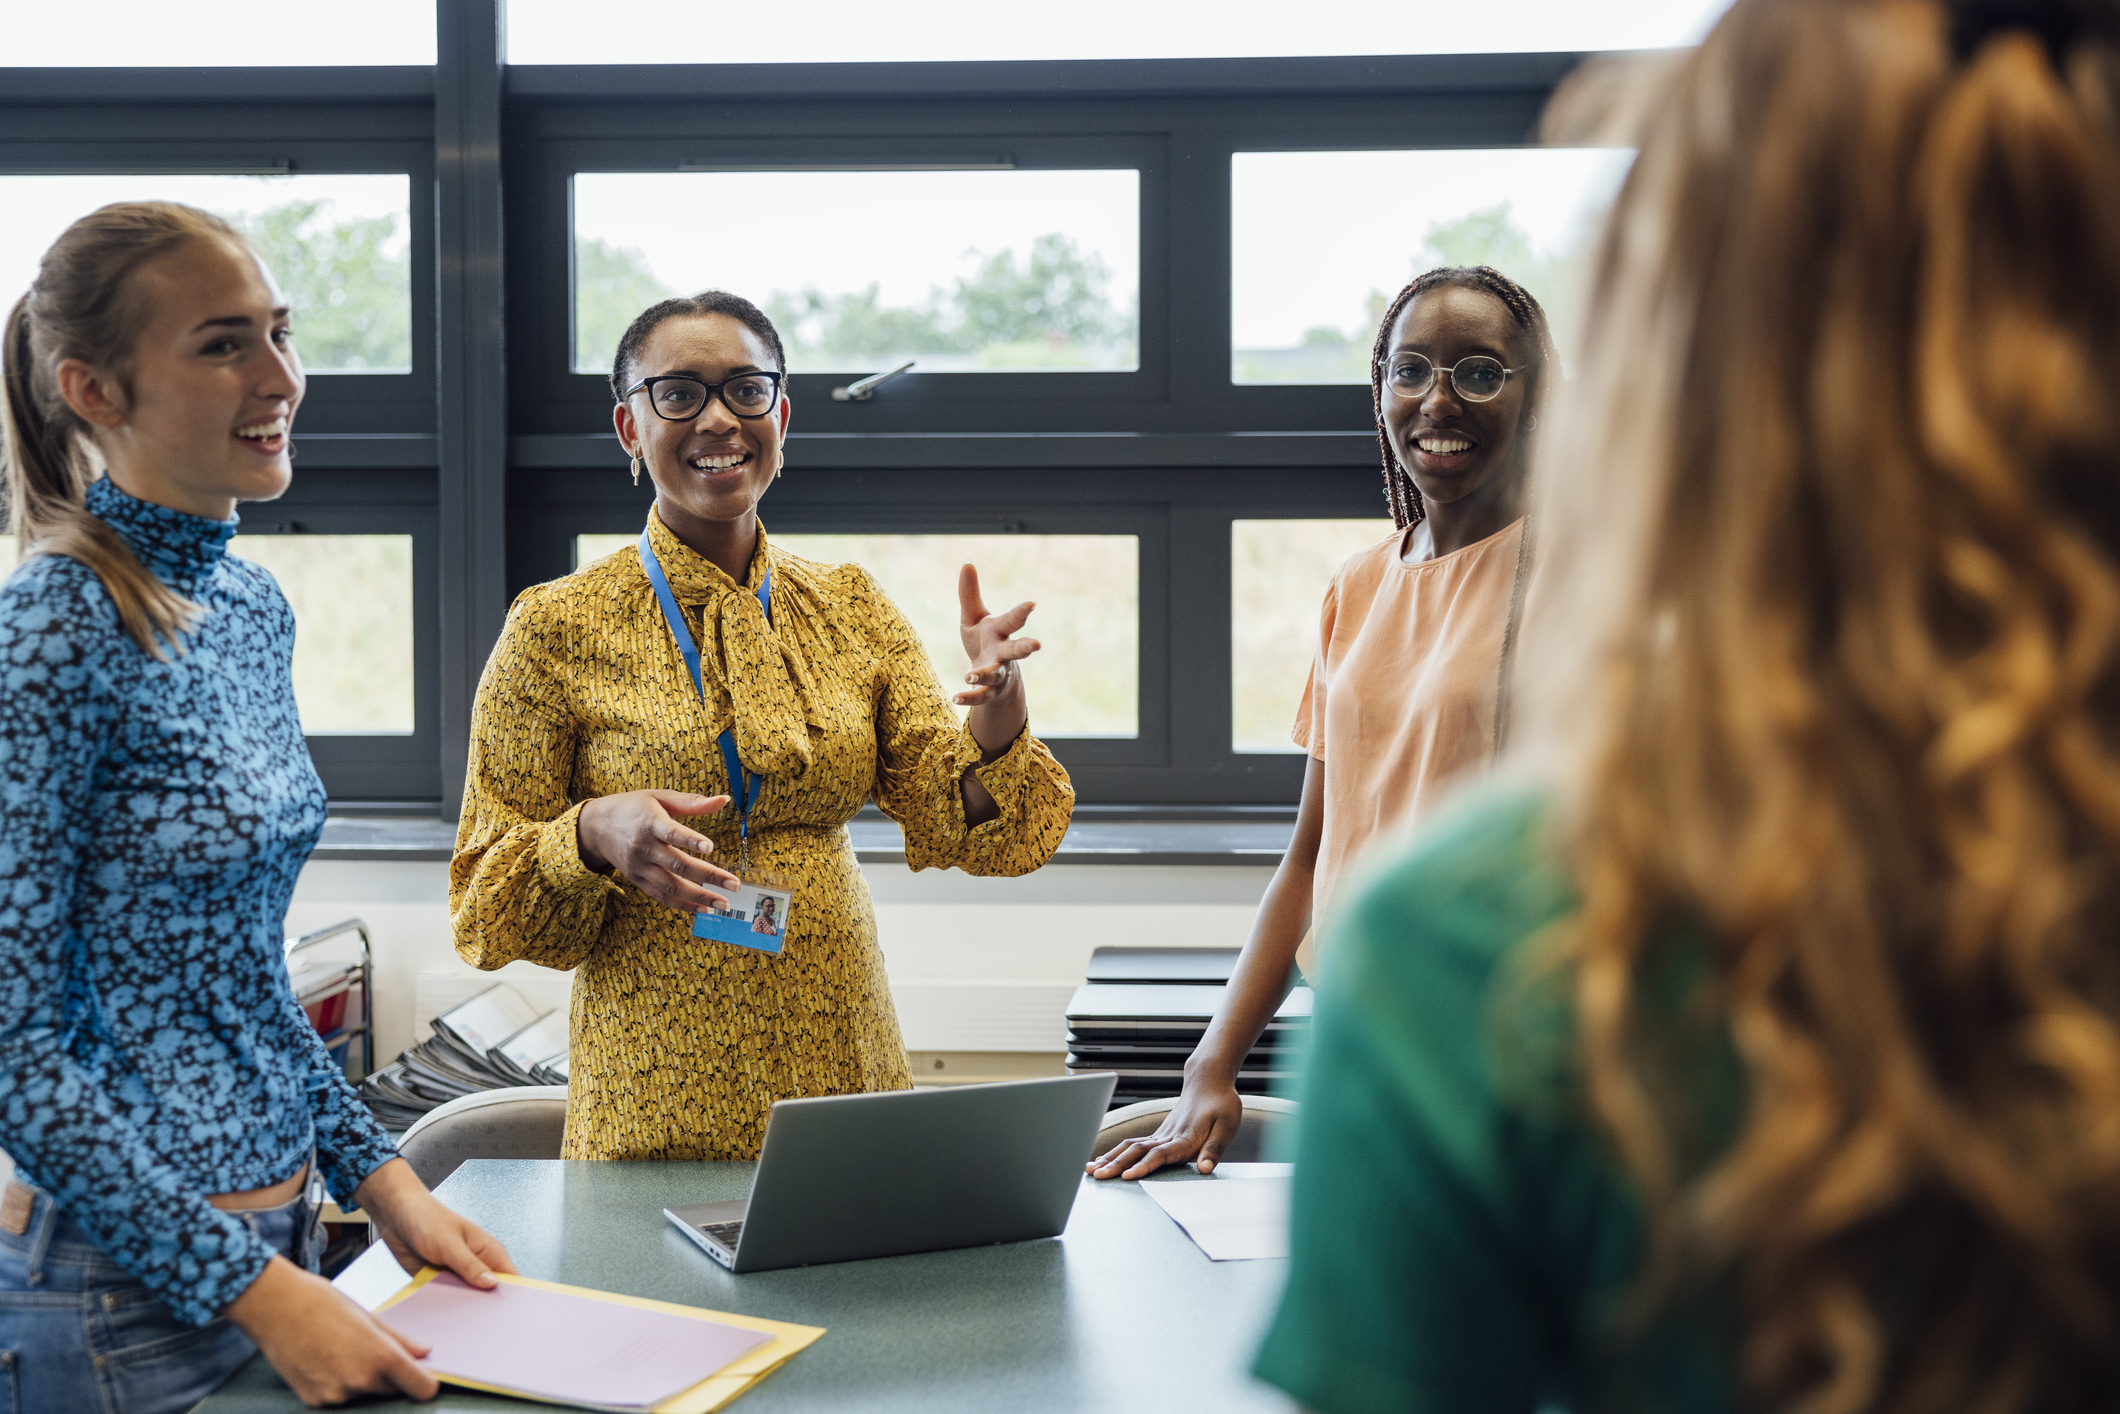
(724, 1233)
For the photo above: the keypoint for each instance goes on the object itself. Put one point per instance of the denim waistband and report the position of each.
(53, 1239)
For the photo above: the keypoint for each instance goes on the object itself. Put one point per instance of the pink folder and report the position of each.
(563, 1348)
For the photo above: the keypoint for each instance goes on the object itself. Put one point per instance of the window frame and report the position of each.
(919, 400)
(1184, 449)
(541, 363)
(573, 502)
(201, 140)
(396, 501)
(1182, 515)
(493, 453)
(364, 445)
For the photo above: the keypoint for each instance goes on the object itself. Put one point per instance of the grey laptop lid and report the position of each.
(879, 1175)
(1188, 966)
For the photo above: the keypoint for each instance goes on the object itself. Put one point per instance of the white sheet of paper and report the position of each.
(491, 1017)
(1231, 1219)
(1253, 1170)
(373, 1277)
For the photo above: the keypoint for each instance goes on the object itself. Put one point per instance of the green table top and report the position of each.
(1120, 1312)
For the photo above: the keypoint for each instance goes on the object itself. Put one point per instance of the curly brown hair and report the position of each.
(1828, 662)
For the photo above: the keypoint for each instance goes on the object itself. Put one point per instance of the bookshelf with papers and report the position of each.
(495, 1040)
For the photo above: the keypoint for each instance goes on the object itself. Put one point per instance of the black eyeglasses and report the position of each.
(679, 397)
(1478, 379)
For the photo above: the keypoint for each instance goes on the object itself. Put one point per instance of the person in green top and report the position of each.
(1752, 1041)
(1462, 1240)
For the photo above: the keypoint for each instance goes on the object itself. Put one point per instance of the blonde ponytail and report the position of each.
(79, 307)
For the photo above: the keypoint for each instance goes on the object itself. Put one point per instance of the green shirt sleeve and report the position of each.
(1457, 1246)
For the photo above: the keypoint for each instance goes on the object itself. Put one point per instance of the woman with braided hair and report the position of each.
(1408, 689)
(1757, 1045)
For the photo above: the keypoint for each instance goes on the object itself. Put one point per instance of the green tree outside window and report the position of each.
(1052, 310)
(352, 295)
(1489, 236)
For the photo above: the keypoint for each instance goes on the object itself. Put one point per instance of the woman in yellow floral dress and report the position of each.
(592, 747)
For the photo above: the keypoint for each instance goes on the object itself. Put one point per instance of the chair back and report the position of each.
(519, 1122)
(1268, 1123)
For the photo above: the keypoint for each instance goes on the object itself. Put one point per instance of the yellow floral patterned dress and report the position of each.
(682, 1044)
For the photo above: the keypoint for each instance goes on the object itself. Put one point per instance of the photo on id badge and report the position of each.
(756, 916)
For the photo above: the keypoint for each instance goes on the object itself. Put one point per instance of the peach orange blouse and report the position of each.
(1403, 692)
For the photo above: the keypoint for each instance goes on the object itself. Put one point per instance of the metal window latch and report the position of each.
(862, 391)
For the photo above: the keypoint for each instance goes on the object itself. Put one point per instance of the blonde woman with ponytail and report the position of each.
(168, 1106)
(1760, 1048)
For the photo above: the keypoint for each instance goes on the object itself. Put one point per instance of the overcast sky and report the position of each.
(39, 208)
(908, 232)
(1314, 233)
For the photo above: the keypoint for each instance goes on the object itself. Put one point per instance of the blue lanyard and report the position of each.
(740, 780)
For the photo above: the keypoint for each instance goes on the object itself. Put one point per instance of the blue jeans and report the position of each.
(78, 1335)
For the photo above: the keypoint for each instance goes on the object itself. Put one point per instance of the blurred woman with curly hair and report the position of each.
(1760, 1046)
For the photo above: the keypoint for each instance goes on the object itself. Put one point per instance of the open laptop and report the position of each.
(881, 1175)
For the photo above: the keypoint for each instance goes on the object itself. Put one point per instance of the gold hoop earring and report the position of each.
(780, 464)
(636, 469)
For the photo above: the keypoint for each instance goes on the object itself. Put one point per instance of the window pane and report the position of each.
(1038, 270)
(1319, 243)
(1085, 678)
(218, 33)
(339, 246)
(352, 601)
(826, 31)
(1279, 571)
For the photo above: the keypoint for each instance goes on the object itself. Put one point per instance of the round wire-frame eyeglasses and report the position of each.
(1478, 379)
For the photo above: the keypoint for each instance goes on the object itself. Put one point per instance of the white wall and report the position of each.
(980, 965)
(977, 965)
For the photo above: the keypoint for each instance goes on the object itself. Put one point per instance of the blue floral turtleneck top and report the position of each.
(153, 817)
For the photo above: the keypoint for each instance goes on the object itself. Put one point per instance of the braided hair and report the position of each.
(1399, 491)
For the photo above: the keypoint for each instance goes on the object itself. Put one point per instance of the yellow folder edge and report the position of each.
(710, 1393)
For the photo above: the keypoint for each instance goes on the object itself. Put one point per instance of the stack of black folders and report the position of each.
(1143, 1010)
(495, 1040)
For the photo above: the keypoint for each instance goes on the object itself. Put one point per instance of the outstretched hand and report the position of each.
(637, 834)
(989, 643)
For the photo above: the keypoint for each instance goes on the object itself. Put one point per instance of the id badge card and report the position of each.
(756, 915)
